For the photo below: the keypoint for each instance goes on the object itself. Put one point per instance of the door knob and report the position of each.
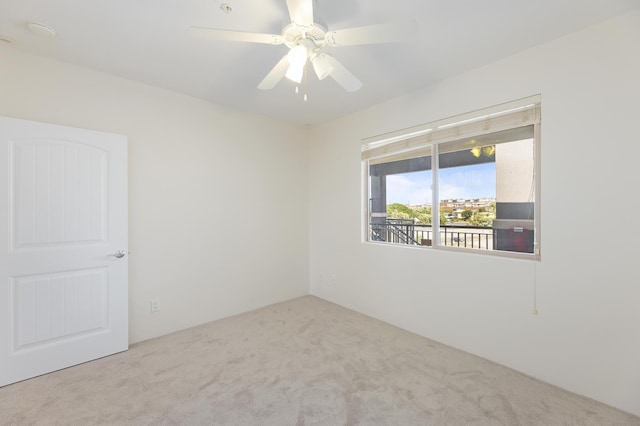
(118, 254)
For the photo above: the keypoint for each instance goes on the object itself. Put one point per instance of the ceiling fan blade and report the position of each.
(371, 34)
(301, 12)
(275, 75)
(216, 34)
(342, 75)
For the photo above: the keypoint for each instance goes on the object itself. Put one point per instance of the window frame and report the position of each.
(429, 137)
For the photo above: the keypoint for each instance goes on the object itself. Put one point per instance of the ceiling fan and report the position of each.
(307, 41)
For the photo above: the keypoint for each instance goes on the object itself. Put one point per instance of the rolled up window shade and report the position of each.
(512, 121)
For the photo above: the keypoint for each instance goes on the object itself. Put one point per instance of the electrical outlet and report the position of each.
(155, 305)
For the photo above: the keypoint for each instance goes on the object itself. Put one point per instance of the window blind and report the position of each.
(416, 141)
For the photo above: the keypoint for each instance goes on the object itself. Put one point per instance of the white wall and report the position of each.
(200, 173)
(208, 191)
(586, 337)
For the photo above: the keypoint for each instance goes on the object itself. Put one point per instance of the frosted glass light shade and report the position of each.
(295, 73)
(297, 56)
(321, 66)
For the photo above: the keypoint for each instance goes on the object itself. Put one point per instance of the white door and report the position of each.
(63, 221)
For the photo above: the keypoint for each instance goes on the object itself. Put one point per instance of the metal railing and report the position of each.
(402, 231)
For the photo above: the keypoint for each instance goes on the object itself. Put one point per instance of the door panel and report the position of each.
(63, 295)
(58, 306)
(59, 193)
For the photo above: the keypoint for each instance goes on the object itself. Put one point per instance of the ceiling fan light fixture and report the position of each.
(321, 65)
(295, 73)
(297, 56)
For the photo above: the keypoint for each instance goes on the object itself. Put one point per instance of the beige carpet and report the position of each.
(301, 362)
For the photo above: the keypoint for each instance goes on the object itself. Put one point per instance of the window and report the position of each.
(466, 183)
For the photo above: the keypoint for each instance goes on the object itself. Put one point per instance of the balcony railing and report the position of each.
(402, 231)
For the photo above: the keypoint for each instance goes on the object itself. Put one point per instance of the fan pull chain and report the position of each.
(304, 76)
(304, 82)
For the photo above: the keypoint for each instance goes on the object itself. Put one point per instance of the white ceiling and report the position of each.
(148, 41)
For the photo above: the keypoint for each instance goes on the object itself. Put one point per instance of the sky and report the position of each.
(476, 181)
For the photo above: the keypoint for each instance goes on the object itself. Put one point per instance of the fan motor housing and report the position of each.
(293, 34)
